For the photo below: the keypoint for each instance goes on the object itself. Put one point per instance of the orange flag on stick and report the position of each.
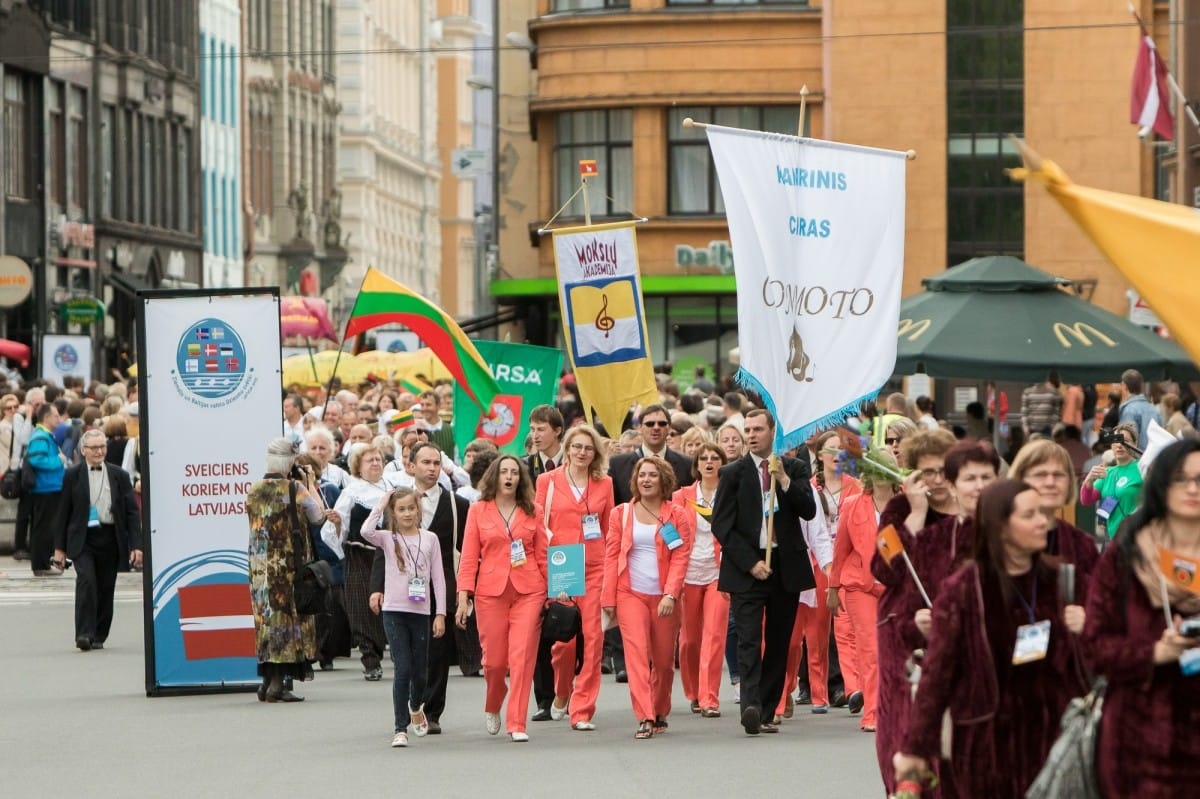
(1180, 570)
(888, 543)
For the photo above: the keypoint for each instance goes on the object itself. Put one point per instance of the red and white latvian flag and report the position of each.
(1150, 103)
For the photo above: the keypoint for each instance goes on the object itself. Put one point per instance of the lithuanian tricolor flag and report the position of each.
(401, 420)
(382, 300)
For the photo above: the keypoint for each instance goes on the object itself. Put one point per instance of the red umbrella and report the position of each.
(307, 317)
(15, 351)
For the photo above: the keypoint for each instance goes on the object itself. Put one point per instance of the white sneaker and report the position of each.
(583, 726)
(492, 721)
(737, 693)
(558, 713)
(519, 737)
(420, 722)
(400, 739)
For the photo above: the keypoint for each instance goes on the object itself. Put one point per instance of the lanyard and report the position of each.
(507, 521)
(1028, 605)
(414, 557)
(587, 488)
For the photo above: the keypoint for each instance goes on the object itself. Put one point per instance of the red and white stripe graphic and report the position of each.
(217, 621)
(1150, 103)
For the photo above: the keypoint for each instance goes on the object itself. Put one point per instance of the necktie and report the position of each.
(766, 475)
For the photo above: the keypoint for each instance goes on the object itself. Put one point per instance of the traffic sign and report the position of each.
(469, 163)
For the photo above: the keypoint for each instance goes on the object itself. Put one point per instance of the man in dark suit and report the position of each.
(445, 514)
(102, 530)
(654, 424)
(546, 432)
(739, 521)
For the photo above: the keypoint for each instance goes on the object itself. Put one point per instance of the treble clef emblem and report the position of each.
(603, 320)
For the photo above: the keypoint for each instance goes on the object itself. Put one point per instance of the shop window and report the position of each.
(588, 5)
(691, 174)
(607, 138)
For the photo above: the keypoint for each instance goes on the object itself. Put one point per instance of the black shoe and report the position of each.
(769, 727)
(855, 702)
(542, 714)
(622, 676)
(803, 697)
(606, 665)
(262, 692)
(83, 643)
(434, 728)
(21, 554)
(750, 720)
(326, 665)
(373, 675)
(838, 699)
(97, 644)
(284, 696)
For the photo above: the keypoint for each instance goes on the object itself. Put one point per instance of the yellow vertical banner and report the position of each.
(604, 320)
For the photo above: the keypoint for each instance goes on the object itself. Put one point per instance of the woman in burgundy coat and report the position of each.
(1150, 731)
(931, 500)
(1000, 658)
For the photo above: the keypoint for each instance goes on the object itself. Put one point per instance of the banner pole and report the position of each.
(803, 110)
(587, 205)
(771, 518)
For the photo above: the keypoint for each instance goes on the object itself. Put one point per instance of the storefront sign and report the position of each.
(81, 310)
(16, 281)
(719, 255)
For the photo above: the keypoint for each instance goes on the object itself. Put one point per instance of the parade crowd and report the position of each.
(953, 587)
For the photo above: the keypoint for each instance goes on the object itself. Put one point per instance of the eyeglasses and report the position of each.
(1186, 480)
(830, 451)
(1043, 475)
(10, 407)
(581, 448)
(892, 441)
(929, 474)
(94, 447)
(704, 458)
(655, 424)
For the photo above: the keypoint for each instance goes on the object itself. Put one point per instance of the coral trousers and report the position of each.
(583, 688)
(860, 615)
(704, 625)
(649, 652)
(509, 627)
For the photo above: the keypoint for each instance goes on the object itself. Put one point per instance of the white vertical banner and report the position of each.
(210, 392)
(66, 356)
(817, 229)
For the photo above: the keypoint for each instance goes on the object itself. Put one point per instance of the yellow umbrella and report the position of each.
(298, 369)
(402, 365)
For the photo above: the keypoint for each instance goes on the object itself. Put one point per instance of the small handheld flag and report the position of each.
(704, 511)
(588, 169)
(888, 543)
(1179, 570)
(401, 420)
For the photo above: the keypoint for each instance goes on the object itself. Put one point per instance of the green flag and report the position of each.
(527, 376)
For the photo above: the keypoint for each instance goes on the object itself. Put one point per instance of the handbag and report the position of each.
(1070, 768)
(11, 484)
(310, 589)
(563, 622)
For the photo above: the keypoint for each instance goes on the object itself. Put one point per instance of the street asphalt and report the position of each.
(74, 723)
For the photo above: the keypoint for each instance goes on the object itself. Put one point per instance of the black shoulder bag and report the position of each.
(310, 590)
(10, 483)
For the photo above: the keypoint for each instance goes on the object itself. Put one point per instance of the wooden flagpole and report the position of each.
(771, 510)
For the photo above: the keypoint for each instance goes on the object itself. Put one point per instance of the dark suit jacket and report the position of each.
(620, 469)
(534, 462)
(450, 538)
(72, 533)
(737, 520)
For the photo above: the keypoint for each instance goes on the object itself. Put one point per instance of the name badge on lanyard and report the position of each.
(670, 536)
(1033, 642)
(417, 591)
(516, 552)
(591, 527)
(93, 517)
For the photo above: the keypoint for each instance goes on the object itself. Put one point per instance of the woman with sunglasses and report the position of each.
(705, 609)
(9, 456)
(574, 503)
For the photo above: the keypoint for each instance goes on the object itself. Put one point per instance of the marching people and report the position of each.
(333, 626)
(1000, 658)
(503, 569)
(101, 529)
(732, 442)
(704, 608)
(853, 590)
(646, 557)
(1149, 742)
(1116, 486)
(574, 503)
(342, 532)
(285, 640)
(751, 530)
(413, 577)
(545, 433)
(923, 455)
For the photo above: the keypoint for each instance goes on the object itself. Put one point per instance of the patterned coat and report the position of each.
(280, 634)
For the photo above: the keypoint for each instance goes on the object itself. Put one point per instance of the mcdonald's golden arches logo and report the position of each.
(914, 330)
(1080, 332)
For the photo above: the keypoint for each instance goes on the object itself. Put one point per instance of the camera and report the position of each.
(1190, 628)
(1109, 436)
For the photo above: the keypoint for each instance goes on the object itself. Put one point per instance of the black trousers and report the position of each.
(442, 652)
(96, 568)
(543, 675)
(22, 528)
(43, 524)
(763, 675)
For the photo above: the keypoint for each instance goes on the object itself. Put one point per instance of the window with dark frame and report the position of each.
(606, 137)
(57, 155)
(108, 159)
(16, 136)
(77, 195)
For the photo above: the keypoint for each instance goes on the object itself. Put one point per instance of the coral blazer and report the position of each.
(855, 546)
(486, 566)
(564, 518)
(672, 563)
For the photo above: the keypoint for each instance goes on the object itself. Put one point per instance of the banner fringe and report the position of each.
(785, 441)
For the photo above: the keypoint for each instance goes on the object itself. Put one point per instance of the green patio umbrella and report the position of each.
(998, 318)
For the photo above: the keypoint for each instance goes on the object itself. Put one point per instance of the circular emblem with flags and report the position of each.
(65, 358)
(210, 359)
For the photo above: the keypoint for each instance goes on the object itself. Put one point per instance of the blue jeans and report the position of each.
(408, 641)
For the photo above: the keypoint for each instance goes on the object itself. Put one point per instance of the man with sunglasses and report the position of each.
(102, 529)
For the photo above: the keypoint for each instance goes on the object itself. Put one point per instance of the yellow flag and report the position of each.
(604, 322)
(1152, 243)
